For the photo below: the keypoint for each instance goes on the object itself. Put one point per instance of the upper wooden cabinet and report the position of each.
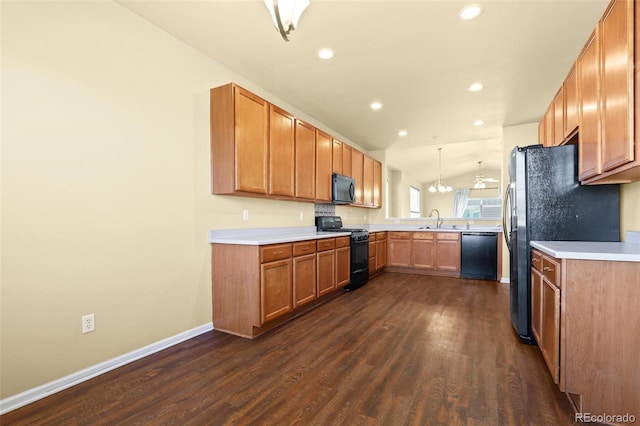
(357, 166)
(589, 108)
(239, 141)
(549, 125)
(617, 31)
(558, 118)
(570, 104)
(305, 165)
(260, 150)
(281, 152)
(324, 156)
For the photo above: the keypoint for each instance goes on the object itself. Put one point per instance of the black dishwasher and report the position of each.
(479, 255)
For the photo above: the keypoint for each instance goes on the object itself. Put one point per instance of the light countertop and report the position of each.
(590, 250)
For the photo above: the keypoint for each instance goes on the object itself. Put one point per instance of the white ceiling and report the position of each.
(416, 57)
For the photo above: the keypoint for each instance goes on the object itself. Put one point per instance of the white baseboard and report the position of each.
(505, 280)
(27, 397)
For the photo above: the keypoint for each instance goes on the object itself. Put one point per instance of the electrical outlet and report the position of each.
(301, 215)
(245, 214)
(88, 323)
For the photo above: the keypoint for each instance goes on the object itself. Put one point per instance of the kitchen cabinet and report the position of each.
(549, 125)
(381, 251)
(239, 141)
(304, 273)
(367, 181)
(558, 118)
(570, 105)
(343, 261)
(257, 288)
(346, 160)
(326, 261)
(305, 166)
(276, 291)
(447, 251)
(399, 253)
(372, 255)
(422, 250)
(337, 156)
(324, 157)
(357, 167)
(585, 320)
(281, 152)
(588, 114)
(377, 184)
(541, 130)
(545, 309)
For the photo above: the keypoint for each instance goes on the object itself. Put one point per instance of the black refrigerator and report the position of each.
(545, 201)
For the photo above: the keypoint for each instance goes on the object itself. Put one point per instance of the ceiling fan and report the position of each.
(481, 180)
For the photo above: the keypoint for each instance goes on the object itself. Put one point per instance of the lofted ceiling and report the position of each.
(415, 57)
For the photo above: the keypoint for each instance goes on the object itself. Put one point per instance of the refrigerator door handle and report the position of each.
(506, 213)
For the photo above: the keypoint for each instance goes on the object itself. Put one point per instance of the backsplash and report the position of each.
(325, 210)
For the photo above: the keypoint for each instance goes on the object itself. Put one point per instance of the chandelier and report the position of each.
(286, 14)
(439, 186)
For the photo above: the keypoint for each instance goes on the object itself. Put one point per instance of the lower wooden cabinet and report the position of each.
(545, 309)
(256, 288)
(381, 251)
(424, 252)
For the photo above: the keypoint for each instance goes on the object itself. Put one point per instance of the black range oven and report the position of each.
(359, 248)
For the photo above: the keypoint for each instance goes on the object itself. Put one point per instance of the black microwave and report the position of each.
(343, 189)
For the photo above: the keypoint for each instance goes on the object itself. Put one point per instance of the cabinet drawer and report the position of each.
(551, 270)
(448, 236)
(275, 252)
(306, 247)
(381, 236)
(536, 260)
(327, 244)
(423, 235)
(343, 241)
(399, 235)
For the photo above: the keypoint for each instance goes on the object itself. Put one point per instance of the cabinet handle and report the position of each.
(535, 260)
(546, 268)
(279, 252)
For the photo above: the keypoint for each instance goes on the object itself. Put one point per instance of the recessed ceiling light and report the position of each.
(476, 87)
(325, 53)
(471, 11)
(376, 105)
(478, 123)
(435, 138)
(402, 133)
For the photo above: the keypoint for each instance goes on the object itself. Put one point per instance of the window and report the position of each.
(414, 202)
(483, 208)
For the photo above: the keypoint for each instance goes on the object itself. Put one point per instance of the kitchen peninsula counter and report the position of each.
(590, 250)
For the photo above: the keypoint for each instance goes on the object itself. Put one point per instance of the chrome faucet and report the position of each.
(438, 220)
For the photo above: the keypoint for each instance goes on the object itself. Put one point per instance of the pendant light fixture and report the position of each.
(286, 14)
(480, 178)
(439, 186)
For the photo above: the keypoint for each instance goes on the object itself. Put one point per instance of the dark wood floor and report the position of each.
(404, 349)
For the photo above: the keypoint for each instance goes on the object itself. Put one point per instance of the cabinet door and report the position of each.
(377, 183)
(326, 272)
(367, 181)
(305, 164)
(549, 125)
(617, 84)
(281, 152)
(304, 279)
(381, 254)
(447, 251)
(550, 321)
(275, 289)
(536, 305)
(346, 160)
(541, 128)
(343, 266)
(399, 252)
(324, 155)
(337, 157)
(589, 112)
(570, 91)
(372, 254)
(558, 118)
(422, 255)
(251, 137)
(357, 165)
